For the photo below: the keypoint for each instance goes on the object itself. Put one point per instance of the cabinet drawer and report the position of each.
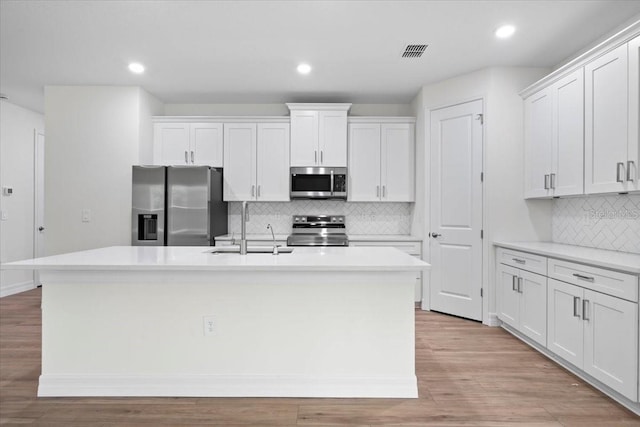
(621, 285)
(523, 260)
(412, 248)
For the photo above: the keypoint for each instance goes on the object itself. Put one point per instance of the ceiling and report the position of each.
(247, 51)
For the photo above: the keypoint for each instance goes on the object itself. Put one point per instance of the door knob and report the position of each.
(435, 235)
(41, 228)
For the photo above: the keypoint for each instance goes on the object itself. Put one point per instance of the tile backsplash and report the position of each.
(605, 222)
(361, 218)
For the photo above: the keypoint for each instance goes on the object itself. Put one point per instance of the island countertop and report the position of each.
(200, 258)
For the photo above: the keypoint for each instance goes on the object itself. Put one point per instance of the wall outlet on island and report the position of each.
(209, 325)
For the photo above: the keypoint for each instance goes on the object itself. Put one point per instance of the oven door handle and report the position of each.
(332, 182)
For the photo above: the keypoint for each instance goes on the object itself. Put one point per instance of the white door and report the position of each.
(533, 306)
(239, 162)
(633, 165)
(304, 138)
(364, 162)
(39, 236)
(273, 162)
(171, 145)
(456, 210)
(564, 321)
(508, 296)
(606, 122)
(611, 342)
(332, 138)
(538, 110)
(206, 144)
(568, 136)
(397, 163)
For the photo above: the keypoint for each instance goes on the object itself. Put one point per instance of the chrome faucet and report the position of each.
(243, 236)
(275, 247)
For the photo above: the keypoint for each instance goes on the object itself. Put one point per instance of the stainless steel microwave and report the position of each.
(319, 183)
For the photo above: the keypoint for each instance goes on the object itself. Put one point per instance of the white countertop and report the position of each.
(624, 261)
(199, 258)
(352, 237)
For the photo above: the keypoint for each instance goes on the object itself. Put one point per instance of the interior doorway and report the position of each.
(38, 200)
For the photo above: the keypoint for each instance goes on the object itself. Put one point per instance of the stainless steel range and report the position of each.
(318, 230)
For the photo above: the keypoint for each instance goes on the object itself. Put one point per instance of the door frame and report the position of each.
(488, 318)
(38, 195)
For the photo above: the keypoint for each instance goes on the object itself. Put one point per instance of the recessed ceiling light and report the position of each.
(505, 31)
(137, 68)
(304, 68)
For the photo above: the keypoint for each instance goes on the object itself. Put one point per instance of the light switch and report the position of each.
(4, 215)
(86, 215)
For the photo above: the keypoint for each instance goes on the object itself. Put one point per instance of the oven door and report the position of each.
(318, 183)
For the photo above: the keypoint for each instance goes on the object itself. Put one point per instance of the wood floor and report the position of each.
(469, 375)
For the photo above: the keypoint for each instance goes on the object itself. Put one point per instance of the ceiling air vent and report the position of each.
(414, 50)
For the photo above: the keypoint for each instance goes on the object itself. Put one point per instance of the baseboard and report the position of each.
(492, 320)
(59, 385)
(16, 288)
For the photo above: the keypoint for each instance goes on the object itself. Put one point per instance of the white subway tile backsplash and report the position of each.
(361, 218)
(605, 222)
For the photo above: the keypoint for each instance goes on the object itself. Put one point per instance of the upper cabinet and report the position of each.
(256, 162)
(582, 123)
(319, 135)
(188, 144)
(381, 160)
(554, 139)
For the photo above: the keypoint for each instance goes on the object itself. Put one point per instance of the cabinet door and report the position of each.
(606, 122)
(397, 163)
(239, 162)
(304, 138)
(171, 143)
(564, 323)
(538, 134)
(364, 162)
(332, 138)
(568, 135)
(273, 162)
(206, 144)
(533, 306)
(611, 342)
(633, 165)
(508, 296)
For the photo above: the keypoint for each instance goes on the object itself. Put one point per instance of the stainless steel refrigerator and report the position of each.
(177, 206)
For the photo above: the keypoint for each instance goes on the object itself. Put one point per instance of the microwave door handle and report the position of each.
(331, 181)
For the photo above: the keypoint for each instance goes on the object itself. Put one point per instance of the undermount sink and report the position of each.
(250, 249)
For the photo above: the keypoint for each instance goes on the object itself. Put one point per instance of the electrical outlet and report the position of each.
(86, 215)
(209, 325)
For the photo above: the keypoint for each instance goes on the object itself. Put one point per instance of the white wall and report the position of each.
(17, 126)
(506, 214)
(149, 107)
(277, 110)
(94, 136)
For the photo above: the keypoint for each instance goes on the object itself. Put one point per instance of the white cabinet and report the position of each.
(256, 162)
(319, 135)
(597, 333)
(554, 139)
(633, 162)
(188, 144)
(609, 152)
(381, 162)
(522, 301)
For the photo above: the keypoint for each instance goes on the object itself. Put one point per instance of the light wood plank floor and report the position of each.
(469, 375)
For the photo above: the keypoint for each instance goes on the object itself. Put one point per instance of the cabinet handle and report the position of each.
(519, 285)
(315, 156)
(553, 181)
(258, 190)
(377, 191)
(514, 283)
(253, 190)
(321, 156)
(546, 182)
(576, 302)
(186, 157)
(192, 157)
(519, 261)
(585, 304)
(384, 191)
(629, 164)
(618, 174)
(587, 278)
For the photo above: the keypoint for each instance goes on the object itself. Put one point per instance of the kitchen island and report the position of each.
(181, 321)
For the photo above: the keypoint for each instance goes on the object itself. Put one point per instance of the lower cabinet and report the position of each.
(523, 302)
(595, 332)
